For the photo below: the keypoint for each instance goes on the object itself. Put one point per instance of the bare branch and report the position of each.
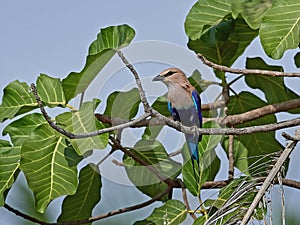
(146, 105)
(228, 131)
(246, 71)
(185, 200)
(230, 158)
(84, 135)
(25, 216)
(260, 112)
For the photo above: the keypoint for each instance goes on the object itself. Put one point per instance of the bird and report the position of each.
(184, 104)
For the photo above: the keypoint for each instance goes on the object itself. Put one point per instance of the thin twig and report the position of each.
(246, 71)
(185, 200)
(144, 101)
(25, 216)
(230, 158)
(84, 135)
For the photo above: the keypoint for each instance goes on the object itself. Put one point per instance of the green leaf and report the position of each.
(108, 41)
(84, 121)
(257, 144)
(199, 83)
(9, 164)
(273, 87)
(279, 30)
(80, 205)
(17, 99)
(225, 52)
(46, 168)
(172, 212)
(113, 37)
(205, 14)
(50, 91)
(252, 11)
(297, 60)
(123, 105)
(240, 154)
(208, 165)
(161, 105)
(153, 153)
(21, 129)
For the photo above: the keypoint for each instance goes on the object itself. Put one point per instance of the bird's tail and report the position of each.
(192, 142)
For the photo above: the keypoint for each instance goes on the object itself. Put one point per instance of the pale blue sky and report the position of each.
(52, 37)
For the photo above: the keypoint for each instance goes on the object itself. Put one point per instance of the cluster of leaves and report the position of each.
(221, 31)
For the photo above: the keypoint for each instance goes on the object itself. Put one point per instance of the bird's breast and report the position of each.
(179, 98)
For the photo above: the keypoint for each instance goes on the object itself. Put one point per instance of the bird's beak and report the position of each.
(158, 78)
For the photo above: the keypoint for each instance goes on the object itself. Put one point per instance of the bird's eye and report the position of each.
(169, 73)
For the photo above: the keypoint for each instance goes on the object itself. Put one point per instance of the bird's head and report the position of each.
(171, 75)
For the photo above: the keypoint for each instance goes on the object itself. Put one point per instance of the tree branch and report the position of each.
(227, 131)
(260, 112)
(145, 103)
(169, 122)
(246, 71)
(185, 200)
(84, 135)
(230, 158)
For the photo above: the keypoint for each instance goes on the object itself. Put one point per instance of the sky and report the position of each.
(52, 37)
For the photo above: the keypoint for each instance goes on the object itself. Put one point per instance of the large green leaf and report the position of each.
(257, 144)
(80, 205)
(50, 90)
(21, 129)
(17, 99)
(9, 164)
(223, 50)
(84, 121)
(208, 165)
(205, 14)
(273, 87)
(45, 166)
(108, 41)
(252, 11)
(172, 212)
(123, 105)
(154, 154)
(279, 30)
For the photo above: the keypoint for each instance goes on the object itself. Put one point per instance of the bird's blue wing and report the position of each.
(197, 103)
(174, 112)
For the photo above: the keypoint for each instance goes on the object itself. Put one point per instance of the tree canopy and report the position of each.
(48, 149)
